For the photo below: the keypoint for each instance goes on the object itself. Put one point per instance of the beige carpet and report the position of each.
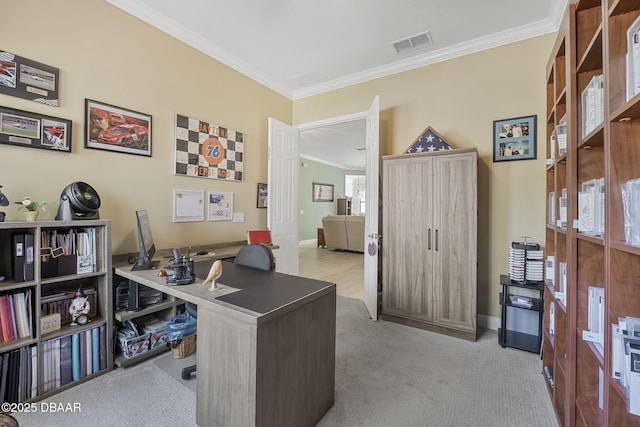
(386, 375)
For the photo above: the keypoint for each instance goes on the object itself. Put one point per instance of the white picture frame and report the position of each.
(188, 205)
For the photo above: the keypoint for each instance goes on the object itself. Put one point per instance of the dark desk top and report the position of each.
(260, 291)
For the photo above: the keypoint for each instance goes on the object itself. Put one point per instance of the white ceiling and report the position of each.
(299, 48)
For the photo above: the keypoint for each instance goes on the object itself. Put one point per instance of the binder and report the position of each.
(65, 360)
(18, 252)
(95, 339)
(75, 357)
(29, 256)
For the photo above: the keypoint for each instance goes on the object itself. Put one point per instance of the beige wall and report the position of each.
(460, 99)
(106, 55)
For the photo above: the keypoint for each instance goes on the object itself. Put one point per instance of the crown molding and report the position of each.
(324, 162)
(199, 43)
(489, 42)
(140, 11)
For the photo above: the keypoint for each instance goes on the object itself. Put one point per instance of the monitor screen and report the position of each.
(145, 242)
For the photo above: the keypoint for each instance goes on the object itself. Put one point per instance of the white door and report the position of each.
(371, 207)
(282, 194)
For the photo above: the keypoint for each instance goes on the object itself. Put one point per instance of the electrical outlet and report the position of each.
(238, 217)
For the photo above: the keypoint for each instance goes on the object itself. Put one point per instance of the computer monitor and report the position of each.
(145, 242)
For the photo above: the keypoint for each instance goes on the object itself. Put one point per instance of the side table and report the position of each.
(516, 339)
(321, 241)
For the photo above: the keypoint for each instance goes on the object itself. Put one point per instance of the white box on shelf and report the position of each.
(633, 59)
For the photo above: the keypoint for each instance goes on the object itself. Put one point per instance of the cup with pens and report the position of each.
(183, 269)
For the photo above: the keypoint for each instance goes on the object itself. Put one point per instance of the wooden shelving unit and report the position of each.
(591, 41)
(98, 280)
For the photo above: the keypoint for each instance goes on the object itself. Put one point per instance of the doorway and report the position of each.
(338, 142)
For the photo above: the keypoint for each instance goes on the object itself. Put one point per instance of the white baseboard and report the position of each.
(488, 322)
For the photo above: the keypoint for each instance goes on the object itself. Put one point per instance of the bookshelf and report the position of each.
(593, 41)
(37, 360)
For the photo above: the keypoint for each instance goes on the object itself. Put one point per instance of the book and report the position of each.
(75, 357)
(83, 353)
(88, 352)
(57, 374)
(95, 349)
(66, 375)
(34, 371)
(103, 347)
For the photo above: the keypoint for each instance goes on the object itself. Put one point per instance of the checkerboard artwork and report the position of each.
(428, 141)
(206, 150)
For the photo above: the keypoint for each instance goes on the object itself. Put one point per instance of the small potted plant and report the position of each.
(31, 207)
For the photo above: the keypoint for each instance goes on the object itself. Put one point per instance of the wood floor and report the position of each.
(345, 269)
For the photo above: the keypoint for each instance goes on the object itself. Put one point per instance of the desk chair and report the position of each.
(256, 256)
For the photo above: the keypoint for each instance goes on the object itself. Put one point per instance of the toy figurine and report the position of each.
(214, 274)
(79, 308)
(3, 202)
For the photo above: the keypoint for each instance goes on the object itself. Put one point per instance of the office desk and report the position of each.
(265, 345)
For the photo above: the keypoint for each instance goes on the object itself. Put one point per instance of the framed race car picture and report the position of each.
(112, 128)
(27, 129)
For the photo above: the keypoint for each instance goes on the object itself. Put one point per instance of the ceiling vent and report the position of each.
(413, 42)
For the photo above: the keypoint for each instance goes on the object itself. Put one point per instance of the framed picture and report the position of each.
(262, 196)
(27, 129)
(27, 79)
(514, 139)
(112, 128)
(322, 192)
(188, 205)
(220, 206)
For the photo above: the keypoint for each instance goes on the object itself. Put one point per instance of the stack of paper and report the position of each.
(535, 266)
(625, 359)
(631, 207)
(593, 105)
(516, 264)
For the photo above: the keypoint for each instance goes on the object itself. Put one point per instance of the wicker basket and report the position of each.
(185, 348)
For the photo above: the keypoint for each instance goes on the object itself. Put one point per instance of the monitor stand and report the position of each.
(151, 265)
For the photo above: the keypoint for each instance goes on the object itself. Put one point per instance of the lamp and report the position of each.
(78, 201)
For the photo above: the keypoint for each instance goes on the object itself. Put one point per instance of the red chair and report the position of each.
(259, 237)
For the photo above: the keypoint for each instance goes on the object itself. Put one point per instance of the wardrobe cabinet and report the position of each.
(429, 232)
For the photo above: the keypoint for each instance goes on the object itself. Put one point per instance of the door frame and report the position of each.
(361, 115)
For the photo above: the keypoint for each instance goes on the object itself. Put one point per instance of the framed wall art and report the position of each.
(112, 128)
(514, 139)
(27, 129)
(206, 150)
(262, 196)
(220, 206)
(27, 79)
(188, 205)
(322, 192)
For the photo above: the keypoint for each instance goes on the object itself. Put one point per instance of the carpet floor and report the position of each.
(386, 375)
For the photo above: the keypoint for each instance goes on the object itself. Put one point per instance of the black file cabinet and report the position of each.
(509, 336)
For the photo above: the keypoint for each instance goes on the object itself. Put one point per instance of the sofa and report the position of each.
(344, 232)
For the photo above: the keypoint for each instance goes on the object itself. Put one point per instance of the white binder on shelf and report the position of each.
(595, 319)
(633, 59)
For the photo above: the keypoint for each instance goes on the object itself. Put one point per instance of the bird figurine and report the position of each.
(214, 274)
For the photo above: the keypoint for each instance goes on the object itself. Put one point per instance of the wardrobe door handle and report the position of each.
(436, 239)
(429, 241)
